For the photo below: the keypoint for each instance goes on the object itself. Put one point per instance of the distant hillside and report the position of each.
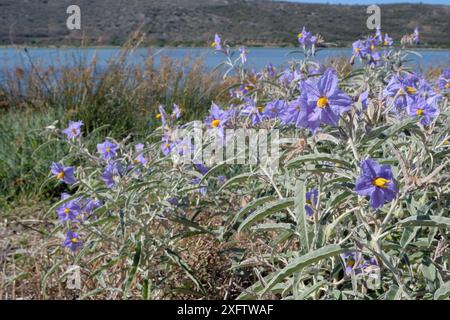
(192, 22)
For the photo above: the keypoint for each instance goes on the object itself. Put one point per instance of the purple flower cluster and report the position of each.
(368, 50)
(412, 94)
(72, 213)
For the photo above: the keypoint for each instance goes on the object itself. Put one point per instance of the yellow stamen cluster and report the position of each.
(380, 182)
(66, 211)
(300, 35)
(215, 123)
(419, 112)
(74, 240)
(213, 45)
(447, 85)
(108, 149)
(60, 175)
(411, 90)
(261, 108)
(158, 116)
(322, 102)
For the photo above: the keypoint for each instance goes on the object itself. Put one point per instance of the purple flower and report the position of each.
(444, 79)
(359, 49)
(387, 42)
(72, 241)
(379, 34)
(69, 211)
(422, 109)
(91, 205)
(296, 113)
(166, 145)
(217, 118)
(377, 182)
(274, 109)
(355, 262)
(140, 159)
(416, 35)
(65, 174)
(112, 174)
(270, 70)
(306, 39)
(162, 115)
(107, 149)
(327, 102)
(363, 98)
(217, 43)
(251, 111)
(176, 113)
(74, 129)
(201, 168)
(202, 189)
(401, 88)
(311, 201)
(221, 179)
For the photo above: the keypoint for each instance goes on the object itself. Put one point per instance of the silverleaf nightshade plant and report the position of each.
(362, 190)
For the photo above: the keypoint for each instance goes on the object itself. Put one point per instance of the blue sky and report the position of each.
(373, 1)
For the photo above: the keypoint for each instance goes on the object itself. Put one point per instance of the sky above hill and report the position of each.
(373, 1)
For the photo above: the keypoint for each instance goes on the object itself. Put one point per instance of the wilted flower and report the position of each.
(377, 182)
(107, 149)
(74, 129)
(72, 241)
(419, 107)
(327, 102)
(65, 174)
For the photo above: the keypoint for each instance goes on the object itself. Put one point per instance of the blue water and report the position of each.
(258, 57)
